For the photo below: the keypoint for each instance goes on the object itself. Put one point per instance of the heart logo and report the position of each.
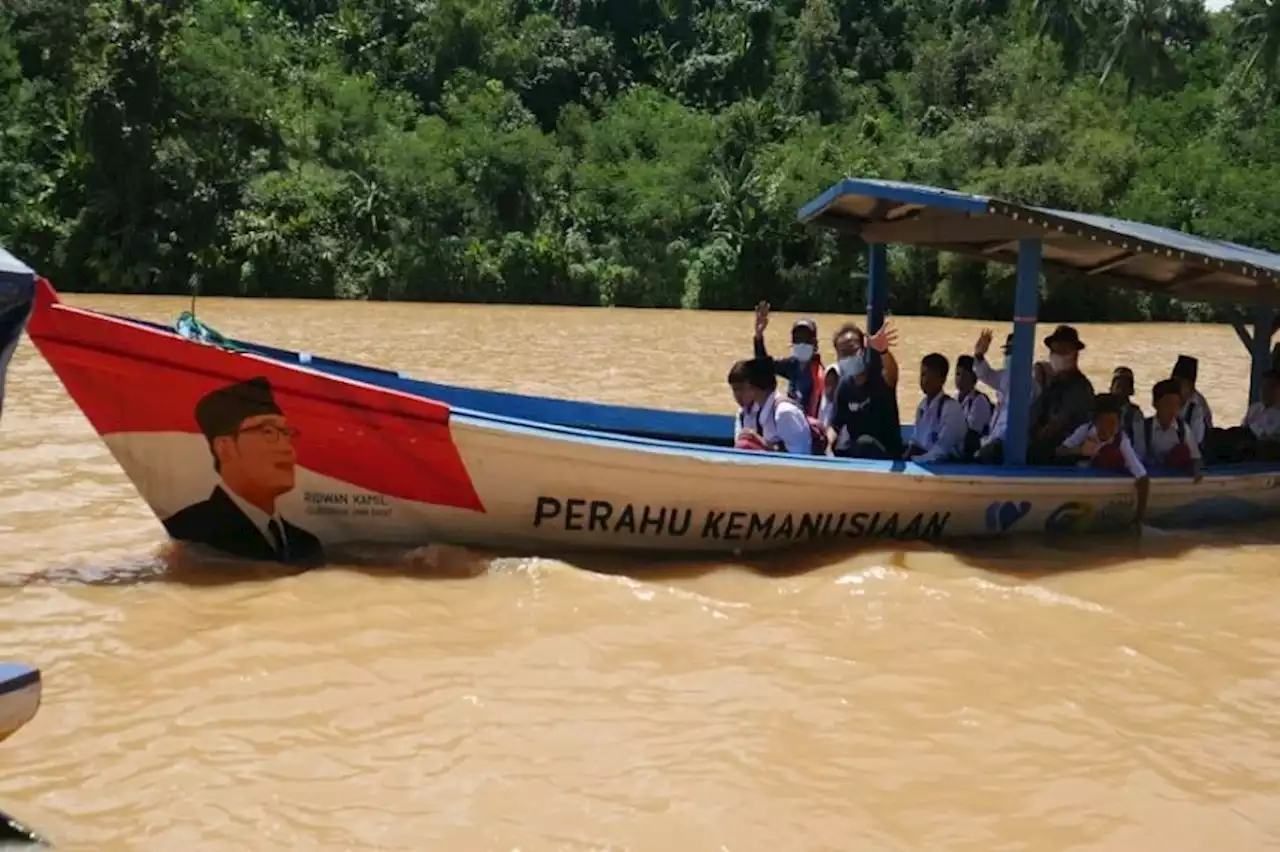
(1002, 516)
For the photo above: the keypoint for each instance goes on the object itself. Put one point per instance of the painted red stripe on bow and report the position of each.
(129, 378)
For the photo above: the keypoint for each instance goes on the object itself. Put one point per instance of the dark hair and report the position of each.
(847, 328)
(1165, 387)
(1106, 403)
(936, 362)
(964, 362)
(757, 372)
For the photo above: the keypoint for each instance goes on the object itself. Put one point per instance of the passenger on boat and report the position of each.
(1195, 410)
(831, 381)
(767, 420)
(940, 426)
(867, 409)
(802, 368)
(849, 340)
(1164, 440)
(1103, 445)
(1122, 386)
(977, 408)
(1067, 401)
(1263, 419)
(991, 447)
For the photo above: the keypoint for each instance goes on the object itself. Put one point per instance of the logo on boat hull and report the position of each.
(1069, 517)
(1001, 517)
(1077, 516)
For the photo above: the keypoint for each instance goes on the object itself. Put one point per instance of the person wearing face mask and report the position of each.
(802, 368)
(849, 340)
(866, 412)
(1067, 401)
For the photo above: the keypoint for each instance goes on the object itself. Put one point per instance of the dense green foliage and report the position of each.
(615, 152)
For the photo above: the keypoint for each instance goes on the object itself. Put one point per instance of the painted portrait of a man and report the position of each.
(252, 444)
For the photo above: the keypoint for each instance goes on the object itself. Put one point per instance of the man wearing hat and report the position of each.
(251, 442)
(1195, 410)
(1067, 401)
(802, 368)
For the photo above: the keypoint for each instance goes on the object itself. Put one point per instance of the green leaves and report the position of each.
(648, 152)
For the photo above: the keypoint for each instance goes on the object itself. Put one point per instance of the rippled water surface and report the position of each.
(1105, 695)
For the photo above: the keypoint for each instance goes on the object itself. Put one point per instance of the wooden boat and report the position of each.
(20, 690)
(17, 286)
(266, 453)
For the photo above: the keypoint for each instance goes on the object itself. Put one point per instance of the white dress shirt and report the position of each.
(940, 428)
(779, 420)
(977, 412)
(1086, 432)
(1162, 440)
(1264, 422)
(1198, 416)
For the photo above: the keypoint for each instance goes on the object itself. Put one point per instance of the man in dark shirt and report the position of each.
(868, 409)
(1067, 401)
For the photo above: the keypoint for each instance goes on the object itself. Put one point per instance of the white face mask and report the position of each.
(802, 351)
(846, 365)
(1059, 363)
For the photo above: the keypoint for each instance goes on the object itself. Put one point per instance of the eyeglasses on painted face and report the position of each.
(272, 433)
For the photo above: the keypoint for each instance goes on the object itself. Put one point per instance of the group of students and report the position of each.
(850, 408)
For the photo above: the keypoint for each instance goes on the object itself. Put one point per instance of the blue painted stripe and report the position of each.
(17, 676)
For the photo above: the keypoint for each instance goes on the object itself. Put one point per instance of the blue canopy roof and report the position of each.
(13, 270)
(1080, 246)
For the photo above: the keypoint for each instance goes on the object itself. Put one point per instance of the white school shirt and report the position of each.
(999, 380)
(940, 428)
(780, 420)
(1162, 440)
(1131, 461)
(1198, 416)
(977, 412)
(1264, 422)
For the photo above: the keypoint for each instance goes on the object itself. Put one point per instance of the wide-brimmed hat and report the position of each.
(1064, 334)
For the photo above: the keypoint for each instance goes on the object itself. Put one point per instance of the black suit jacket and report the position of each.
(218, 522)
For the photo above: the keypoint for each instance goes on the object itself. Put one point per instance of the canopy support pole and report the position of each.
(877, 286)
(1026, 306)
(1260, 350)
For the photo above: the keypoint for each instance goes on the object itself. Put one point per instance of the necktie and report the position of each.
(277, 539)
